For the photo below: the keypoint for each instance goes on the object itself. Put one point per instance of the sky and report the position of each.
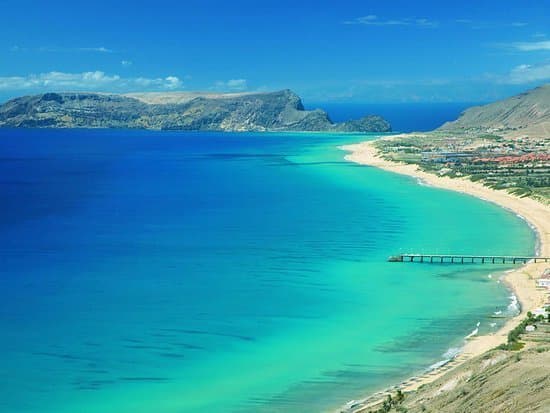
(326, 51)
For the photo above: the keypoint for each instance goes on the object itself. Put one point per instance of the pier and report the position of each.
(466, 259)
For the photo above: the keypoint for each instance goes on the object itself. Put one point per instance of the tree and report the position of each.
(399, 396)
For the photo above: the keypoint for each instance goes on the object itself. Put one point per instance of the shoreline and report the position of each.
(521, 281)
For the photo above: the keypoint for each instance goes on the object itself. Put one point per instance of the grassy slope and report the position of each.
(498, 381)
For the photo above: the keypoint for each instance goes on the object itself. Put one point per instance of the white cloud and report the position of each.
(92, 49)
(49, 49)
(86, 81)
(531, 46)
(126, 62)
(480, 25)
(528, 74)
(389, 83)
(373, 20)
(233, 85)
(172, 82)
(54, 49)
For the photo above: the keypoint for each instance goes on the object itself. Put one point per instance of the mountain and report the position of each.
(275, 111)
(527, 113)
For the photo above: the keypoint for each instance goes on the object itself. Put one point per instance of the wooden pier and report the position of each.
(466, 259)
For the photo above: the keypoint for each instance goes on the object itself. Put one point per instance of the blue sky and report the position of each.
(361, 51)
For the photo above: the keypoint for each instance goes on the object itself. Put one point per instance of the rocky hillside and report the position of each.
(508, 379)
(526, 114)
(276, 111)
(498, 381)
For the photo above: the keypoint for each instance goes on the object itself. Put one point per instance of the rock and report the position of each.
(275, 111)
(370, 123)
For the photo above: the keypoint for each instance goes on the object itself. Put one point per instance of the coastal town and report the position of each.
(520, 165)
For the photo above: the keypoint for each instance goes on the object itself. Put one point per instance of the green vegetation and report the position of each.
(488, 136)
(392, 403)
(520, 166)
(513, 343)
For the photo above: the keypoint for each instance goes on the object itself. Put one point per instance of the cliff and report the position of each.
(275, 111)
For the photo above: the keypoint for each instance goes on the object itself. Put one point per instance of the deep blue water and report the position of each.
(404, 117)
(183, 272)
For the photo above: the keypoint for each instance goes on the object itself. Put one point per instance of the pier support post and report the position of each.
(464, 259)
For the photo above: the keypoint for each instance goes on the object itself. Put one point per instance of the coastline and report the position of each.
(522, 281)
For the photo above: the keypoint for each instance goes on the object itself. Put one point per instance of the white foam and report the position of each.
(422, 182)
(452, 352)
(513, 307)
(535, 230)
(449, 355)
(437, 365)
(474, 331)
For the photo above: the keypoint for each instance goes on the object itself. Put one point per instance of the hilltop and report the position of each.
(525, 114)
(274, 111)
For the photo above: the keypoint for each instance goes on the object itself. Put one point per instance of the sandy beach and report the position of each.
(521, 280)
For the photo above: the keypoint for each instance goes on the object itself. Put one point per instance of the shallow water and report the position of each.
(184, 272)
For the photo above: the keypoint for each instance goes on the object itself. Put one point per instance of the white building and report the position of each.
(539, 311)
(544, 280)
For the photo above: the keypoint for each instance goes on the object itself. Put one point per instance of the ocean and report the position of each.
(404, 117)
(174, 272)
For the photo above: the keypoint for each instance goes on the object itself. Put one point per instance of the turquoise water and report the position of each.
(183, 272)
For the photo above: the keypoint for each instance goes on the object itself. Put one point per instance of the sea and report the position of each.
(175, 272)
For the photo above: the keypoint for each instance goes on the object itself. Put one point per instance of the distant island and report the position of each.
(190, 111)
